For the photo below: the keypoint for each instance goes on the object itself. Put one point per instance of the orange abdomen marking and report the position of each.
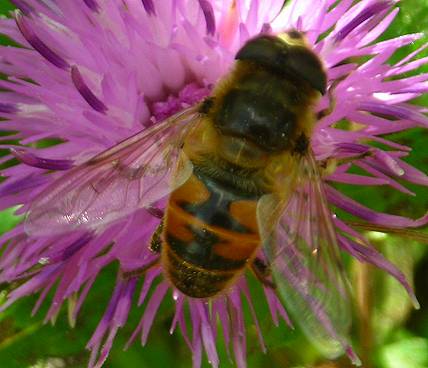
(210, 234)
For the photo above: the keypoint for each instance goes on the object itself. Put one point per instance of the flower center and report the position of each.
(190, 95)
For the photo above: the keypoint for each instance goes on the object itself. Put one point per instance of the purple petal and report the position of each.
(31, 285)
(42, 296)
(72, 249)
(338, 199)
(207, 334)
(124, 304)
(407, 67)
(38, 44)
(372, 256)
(246, 292)
(238, 329)
(399, 112)
(151, 309)
(148, 281)
(86, 93)
(8, 108)
(92, 4)
(23, 6)
(276, 307)
(42, 163)
(179, 303)
(80, 300)
(220, 311)
(335, 14)
(370, 168)
(196, 339)
(149, 7)
(266, 28)
(28, 182)
(351, 148)
(114, 318)
(209, 16)
(379, 28)
(412, 55)
(106, 347)
(413, 175)
(385, 162)
(107, 317)
(367, 13)
(356, 179)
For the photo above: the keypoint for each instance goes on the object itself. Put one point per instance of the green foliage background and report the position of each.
(391, 335)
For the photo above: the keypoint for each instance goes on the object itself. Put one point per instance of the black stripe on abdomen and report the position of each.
(200, 251)
(194, 281)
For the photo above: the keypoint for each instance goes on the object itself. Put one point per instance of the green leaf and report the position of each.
(8, 220)
(408, 352)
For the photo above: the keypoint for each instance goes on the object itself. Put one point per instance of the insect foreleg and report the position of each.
(332, 100)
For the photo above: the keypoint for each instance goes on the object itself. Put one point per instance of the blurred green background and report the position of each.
(387, 332)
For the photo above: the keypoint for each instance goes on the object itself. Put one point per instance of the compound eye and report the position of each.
(294, 59)
(303, 63)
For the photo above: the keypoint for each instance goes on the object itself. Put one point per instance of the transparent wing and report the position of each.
(133, 174)
(305, 261)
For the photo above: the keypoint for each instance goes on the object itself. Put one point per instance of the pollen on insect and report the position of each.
(291, 38)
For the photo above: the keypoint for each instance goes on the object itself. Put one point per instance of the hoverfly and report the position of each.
(243, 188)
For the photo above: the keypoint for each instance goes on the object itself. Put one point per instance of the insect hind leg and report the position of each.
(156, 240)
(263, 272)
(141, 270)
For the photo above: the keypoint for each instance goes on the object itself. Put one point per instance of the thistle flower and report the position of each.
(93, 73)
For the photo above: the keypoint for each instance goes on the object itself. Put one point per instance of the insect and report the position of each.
(243, 188)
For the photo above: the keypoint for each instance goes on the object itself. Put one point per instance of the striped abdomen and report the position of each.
(210, 233)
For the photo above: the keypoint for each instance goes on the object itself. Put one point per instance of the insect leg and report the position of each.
(139, 271)
(329, 165)
(331, 99)
(262, 272)
(155, 247)
(156, 241)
